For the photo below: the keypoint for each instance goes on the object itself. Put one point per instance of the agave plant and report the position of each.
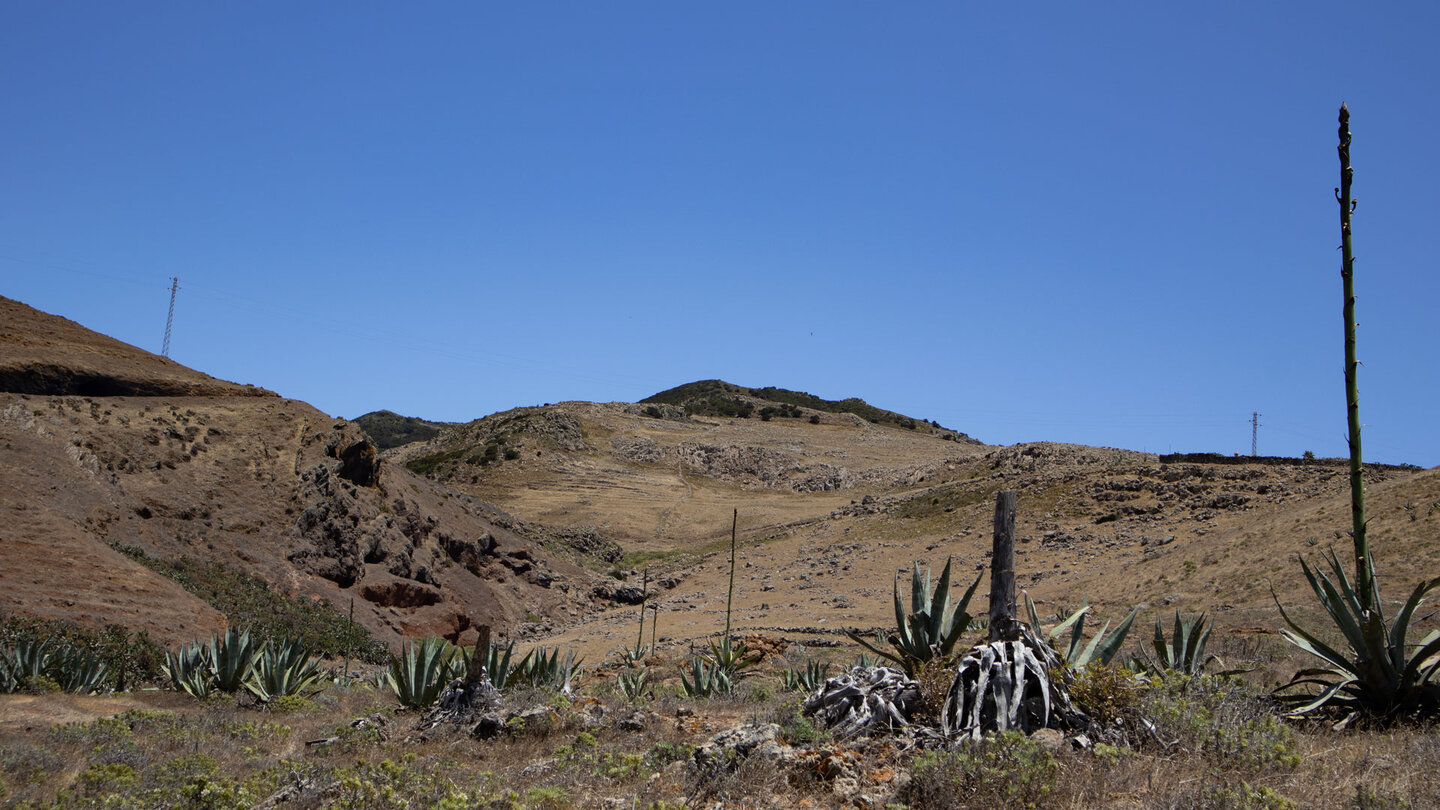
(931, 628)
(189, 669)
(707, 679)
(497, 664)
(1004, 685)
(74, 669)
(1103, 646)
(420, 671)
(547, 670)
(1184, 651)
(805, 680)
(1384, 674)
(8, 682)
(78, 670)
(494, 658)
(232, 659)
(28, 658)
(733, 657)
(863, 700)
(633, 684)
(284, 668)
(630, 656)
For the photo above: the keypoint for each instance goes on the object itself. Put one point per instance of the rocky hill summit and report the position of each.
(722, 399)
(388, 429)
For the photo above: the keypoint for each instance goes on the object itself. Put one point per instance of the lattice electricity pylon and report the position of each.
(170, 318)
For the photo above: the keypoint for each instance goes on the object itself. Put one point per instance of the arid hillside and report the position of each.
(654, 478)
(545, 522)
(113, 456)
(832, 506)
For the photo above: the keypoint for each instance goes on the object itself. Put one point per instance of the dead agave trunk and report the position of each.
(1013, 681)
(1002, 569)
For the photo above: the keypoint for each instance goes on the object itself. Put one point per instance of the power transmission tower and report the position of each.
(170, 318)
(1254, 433)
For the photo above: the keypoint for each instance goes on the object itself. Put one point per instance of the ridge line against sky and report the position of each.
(1109, 225)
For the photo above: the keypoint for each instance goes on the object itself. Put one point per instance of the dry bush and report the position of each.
(934, 677)
(1109, 694)
(749, 782)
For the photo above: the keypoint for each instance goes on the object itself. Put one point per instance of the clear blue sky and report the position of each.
(1105, 223)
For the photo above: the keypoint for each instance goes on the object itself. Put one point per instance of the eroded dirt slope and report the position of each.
(212, 471)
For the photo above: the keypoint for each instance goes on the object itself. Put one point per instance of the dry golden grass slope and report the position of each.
(830, 513)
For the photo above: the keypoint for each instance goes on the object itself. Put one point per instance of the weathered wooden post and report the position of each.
(1002, 569)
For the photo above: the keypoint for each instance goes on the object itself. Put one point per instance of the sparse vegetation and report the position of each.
(251, 602)
(1007, 770)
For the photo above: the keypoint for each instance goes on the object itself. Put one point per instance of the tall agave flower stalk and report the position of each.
(1384, 674)
(1364, 564)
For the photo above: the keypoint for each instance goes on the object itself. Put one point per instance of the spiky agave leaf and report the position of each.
(1103, 646)
(1383, 673)
(29, 658)
(232, 659)
(189, 669)
(497, 664)
(285, 668)
(417, 674)
(78, 671)
(547, 670)
(1185, 650)
(931, 629)
(707, 679)
(633, 683)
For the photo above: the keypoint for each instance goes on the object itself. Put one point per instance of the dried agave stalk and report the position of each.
(1005, 685)
(461, 700)
(864, 700)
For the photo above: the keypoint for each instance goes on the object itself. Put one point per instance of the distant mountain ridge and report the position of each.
(720, 398)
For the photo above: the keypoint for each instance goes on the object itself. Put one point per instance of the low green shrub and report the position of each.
(251, 602)
(1224, 719)
(1109, 694)
(1006, 770)
(1242, 796)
